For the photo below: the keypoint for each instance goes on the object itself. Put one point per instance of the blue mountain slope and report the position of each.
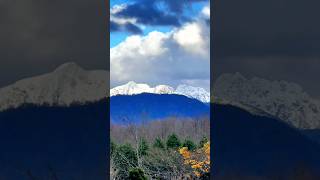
(154, 106)
(246, 144)
(71, 141)
(313, 134)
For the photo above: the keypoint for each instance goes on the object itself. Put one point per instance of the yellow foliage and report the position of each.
(198, 160)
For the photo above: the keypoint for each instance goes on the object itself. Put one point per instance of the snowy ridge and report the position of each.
(68, 84)
(281, 99)
(193, 92)
(132, 88)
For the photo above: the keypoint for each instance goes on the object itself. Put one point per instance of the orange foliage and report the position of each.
(199, 160)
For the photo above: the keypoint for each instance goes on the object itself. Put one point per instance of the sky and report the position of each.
(274, 39)
(160, 42)
(277, 40)
(38, 36)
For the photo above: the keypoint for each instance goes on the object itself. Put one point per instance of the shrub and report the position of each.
(198, 160)
(173, 141)
(137, 174)
(124, 157)
(158, 143)
(203, 141)
(189, 144)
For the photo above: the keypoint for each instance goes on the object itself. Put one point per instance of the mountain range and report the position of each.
(259, 126)
(132, 88)
(71, 84)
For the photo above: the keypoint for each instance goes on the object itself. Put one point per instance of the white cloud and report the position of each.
(190, 37)
(118, 8)
(179, 56)
(206, 11)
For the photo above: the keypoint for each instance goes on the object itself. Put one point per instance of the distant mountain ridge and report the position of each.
(132, 88)
(149, 106)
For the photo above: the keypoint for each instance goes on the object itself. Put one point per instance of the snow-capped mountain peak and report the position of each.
(134, 88)
(67, 84)
(284, 100)
(130, 88)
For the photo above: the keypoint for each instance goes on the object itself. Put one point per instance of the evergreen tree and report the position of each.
(189, 144)
(173, 141)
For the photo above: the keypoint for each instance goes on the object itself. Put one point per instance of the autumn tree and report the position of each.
(199, 160)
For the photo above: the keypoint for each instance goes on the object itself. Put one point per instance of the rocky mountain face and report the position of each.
(283, 100)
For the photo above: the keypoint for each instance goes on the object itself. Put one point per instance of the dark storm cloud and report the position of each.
(133, 28)
(157, 12)
(129, 27)
(149, 14)
(37, 36)
(178, 5)
(274, 39)
(267, 28)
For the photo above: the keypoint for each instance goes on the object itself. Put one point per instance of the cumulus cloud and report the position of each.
(190, 37)
(179, 56)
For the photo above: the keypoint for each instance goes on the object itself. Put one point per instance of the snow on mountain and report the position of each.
(68, 84)
(283, 100)
(134, 88)
(71, 84)
(193, 92)
(163, 89)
